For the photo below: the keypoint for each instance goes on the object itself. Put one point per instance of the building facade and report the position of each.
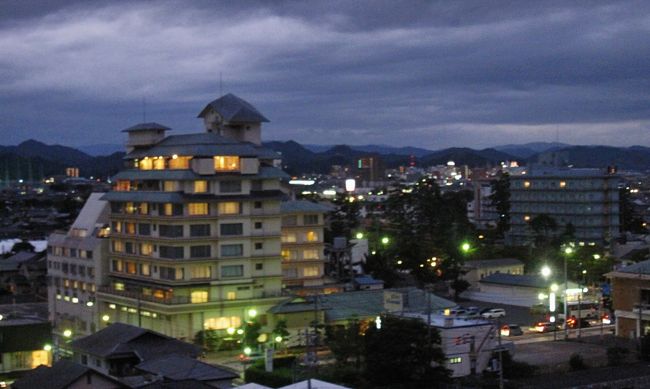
(303, 245)
(586, 198)
(76, 264)
(195, 226)
(630, 288)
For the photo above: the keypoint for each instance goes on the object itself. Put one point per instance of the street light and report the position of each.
(359, 235)
(385, 240)
(67, 333)
(465, 247)
(546, 271)
(252, 312)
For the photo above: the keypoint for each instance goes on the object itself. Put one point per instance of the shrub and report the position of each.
(616, 355)
(276, 379)
(644, 351)
(576, 362)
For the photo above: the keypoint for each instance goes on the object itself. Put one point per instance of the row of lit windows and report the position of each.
(69, 252)
(177, 273)
(293, 255)
(73, 284)
(221, 163)
(199, 186)
(168, 209)
(132, 310)
(292, 237)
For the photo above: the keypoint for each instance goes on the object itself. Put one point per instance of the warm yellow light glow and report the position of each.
(67, 333)
(106, 318)
(252, 312)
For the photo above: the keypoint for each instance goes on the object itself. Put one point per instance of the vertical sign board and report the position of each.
(393, 301)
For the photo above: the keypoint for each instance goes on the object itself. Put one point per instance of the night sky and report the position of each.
(428, 74)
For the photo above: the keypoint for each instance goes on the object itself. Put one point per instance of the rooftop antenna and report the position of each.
(220, 84)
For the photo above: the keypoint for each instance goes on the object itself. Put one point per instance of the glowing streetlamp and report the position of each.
(248, 351)
(385, 240)
(359, 235)
(47, 347)
(546, 271)
(465, 247)
(252, 312)
(230, 331)
(278, 339)
(67, 333)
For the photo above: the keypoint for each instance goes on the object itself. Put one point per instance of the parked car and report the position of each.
(494, 313)
(544, 326)
(457, 312)
(472, 310)
(511, 330)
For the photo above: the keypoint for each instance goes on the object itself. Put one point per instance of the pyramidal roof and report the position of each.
(147, 127)
(234, 110)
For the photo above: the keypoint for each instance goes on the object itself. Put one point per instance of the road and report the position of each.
(548, 336)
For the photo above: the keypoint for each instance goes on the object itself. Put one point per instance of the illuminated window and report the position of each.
(177, 162)
(222, 323)
(118, 286)
(131, 268)
(310, 254)
(66, 282)
(169, 186)
(201, 271)
(455, 360)
(196, 209)
(130, 228)
(229, 208)
(199, 296)
(159, 163)
(123, 186)
(289, 255)
(117, 265)
(145, 269)
(118, 246)
(146, 249)
(288, 237)
(562, 184)
(226, 163)
(143, 209)
(170, 209)
(200, 186)
(231, 296)
(311, 271)
(117, 227)
(145, 164)
(311, 236)
(129, 208)
(526, 184)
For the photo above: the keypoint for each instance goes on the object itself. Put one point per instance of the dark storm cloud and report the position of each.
(411, 73)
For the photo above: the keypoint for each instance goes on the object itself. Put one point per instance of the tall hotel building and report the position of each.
(195, 239)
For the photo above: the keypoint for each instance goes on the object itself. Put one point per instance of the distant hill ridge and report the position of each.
(39, 159)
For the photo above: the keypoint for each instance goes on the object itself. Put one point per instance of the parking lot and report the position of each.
(514, 315)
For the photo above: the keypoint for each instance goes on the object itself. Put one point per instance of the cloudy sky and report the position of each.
(428, 74)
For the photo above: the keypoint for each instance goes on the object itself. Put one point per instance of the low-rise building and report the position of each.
(478, 269)
(630, 288)
(468, 344)
(25, 338)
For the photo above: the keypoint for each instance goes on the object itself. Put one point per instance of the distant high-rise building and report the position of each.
(588, 199)
(370, 169)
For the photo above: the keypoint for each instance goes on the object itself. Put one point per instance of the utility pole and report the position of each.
(500, 353)
(566, 297)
